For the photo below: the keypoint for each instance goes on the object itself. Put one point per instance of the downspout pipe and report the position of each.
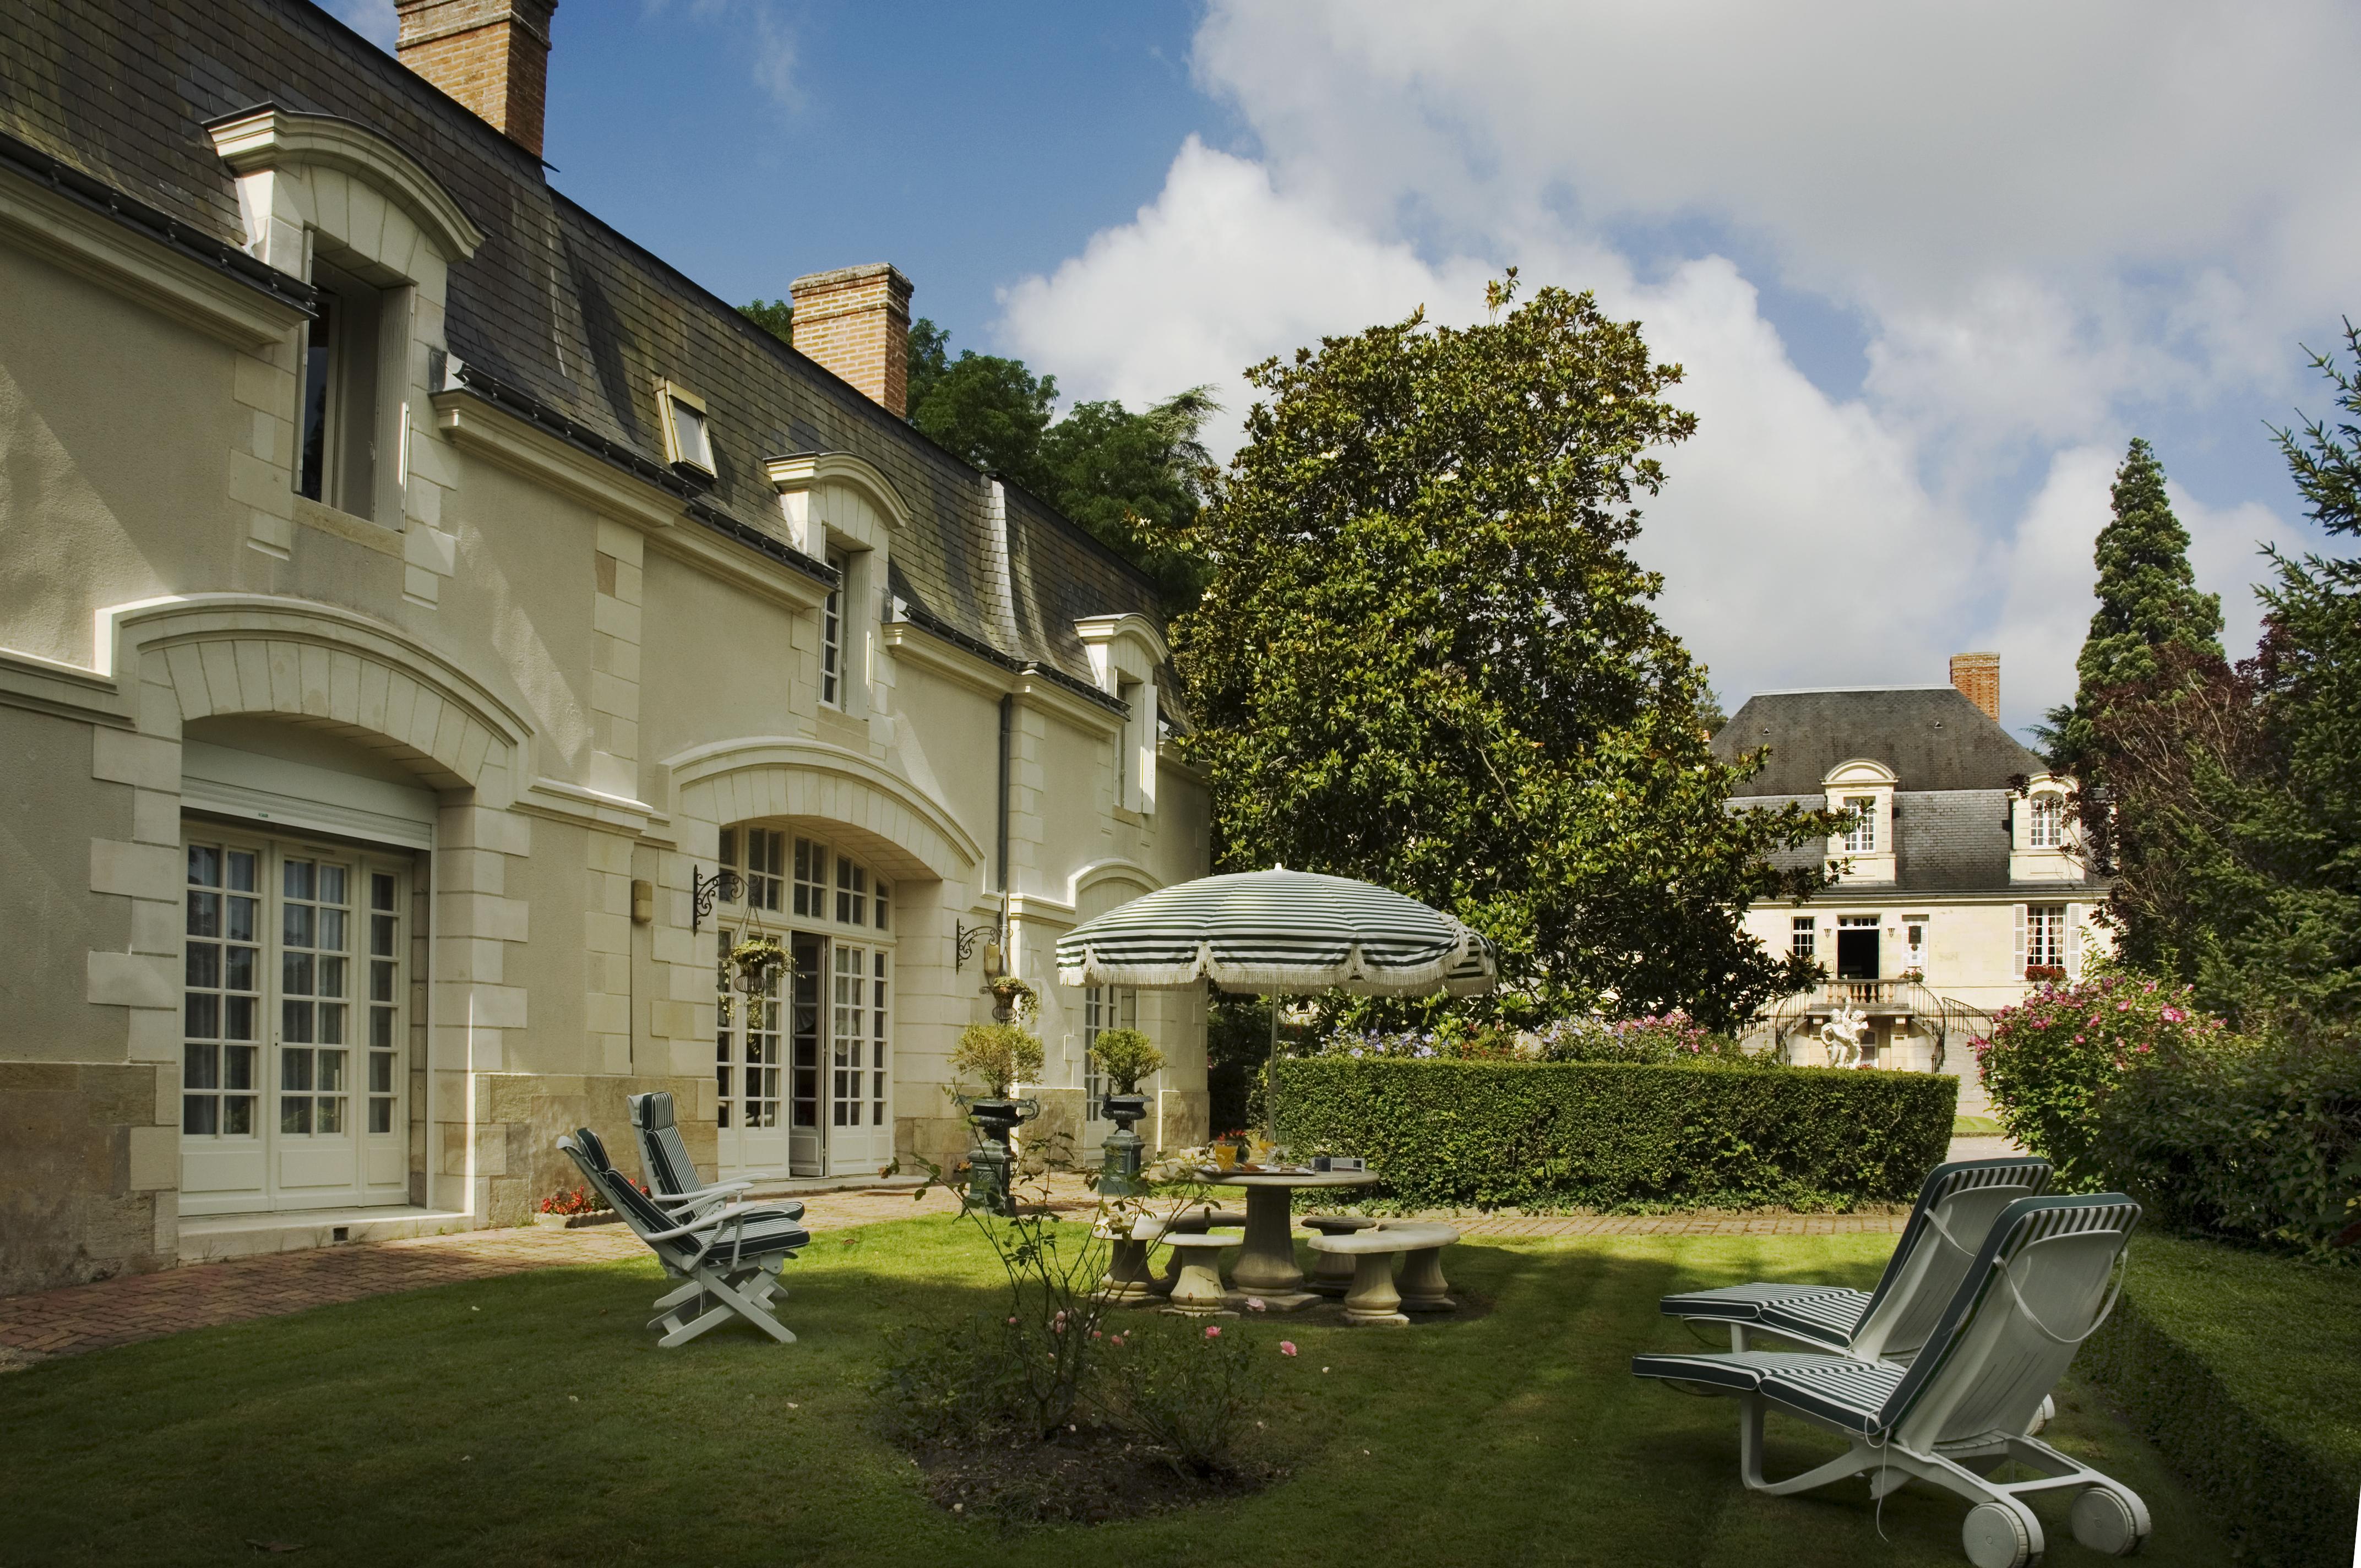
(1007, 733)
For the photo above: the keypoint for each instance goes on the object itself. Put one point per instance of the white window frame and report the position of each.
(1860, 837)
(1804, 936)
(831, 632)
(686, 444)
(2045, 936)
(2045, 821)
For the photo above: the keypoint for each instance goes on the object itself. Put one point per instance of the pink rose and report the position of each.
(1214, 1331)
(1286, 1347)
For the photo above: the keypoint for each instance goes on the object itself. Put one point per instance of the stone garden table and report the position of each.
(1265, 1268)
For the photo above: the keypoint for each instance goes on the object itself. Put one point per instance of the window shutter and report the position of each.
(2020, 941)
(2073, 941)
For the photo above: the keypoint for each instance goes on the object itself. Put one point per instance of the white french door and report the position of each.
(293, 1090)
(747, 1067)
(860, 1092)
(1104, 1007)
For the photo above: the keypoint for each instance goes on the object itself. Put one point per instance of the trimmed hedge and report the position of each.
(1621, 1135)
(2245, 1369)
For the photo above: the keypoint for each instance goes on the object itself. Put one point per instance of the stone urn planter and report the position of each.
(1121, 1151)
(992, 1161)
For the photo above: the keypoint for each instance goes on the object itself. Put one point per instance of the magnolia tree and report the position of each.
(1426, 658)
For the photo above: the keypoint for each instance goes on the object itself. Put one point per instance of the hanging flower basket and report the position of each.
(758, 962)
(1012, 995)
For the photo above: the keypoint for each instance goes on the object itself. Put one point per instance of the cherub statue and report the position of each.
(1841, 1035)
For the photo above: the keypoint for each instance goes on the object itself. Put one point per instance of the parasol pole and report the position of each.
(1270, 1076)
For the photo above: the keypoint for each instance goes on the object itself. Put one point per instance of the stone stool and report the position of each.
(1197, 1290)
(1196, 1222)
(1421, 1285)
(1372, 1300)
(1331, 1272)
(1130, 1282)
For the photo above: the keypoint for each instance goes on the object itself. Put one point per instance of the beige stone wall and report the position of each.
(589, 687)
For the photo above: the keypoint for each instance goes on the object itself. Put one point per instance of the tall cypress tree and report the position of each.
(2148, 603)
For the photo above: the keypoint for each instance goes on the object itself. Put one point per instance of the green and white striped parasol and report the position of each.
(1279, 933)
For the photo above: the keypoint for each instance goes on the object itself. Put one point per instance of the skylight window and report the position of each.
(687, 442)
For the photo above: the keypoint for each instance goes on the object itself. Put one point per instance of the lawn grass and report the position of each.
(2245, 1368)
(1977, 1128)
(531, 1419)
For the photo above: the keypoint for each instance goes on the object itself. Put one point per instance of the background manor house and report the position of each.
(413, 592)
(1959, 893)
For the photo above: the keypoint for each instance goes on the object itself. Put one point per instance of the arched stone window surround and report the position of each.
(207, 655)
(269, 140)
(219, 654)
(899, 828)
(833, 503)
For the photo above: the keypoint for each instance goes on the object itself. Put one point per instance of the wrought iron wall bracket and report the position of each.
(702, 891)
(963, 939)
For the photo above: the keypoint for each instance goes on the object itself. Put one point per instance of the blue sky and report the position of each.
(1928, 268)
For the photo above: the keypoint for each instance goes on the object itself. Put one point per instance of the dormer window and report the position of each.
(687, 444)
(1861, 839)
(2046, 823)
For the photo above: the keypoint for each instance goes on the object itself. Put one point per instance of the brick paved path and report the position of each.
(147, 1306)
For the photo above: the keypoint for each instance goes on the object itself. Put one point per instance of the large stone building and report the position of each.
(413, 593)
(1960, 890)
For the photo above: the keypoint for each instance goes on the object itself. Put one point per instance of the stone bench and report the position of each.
(1197, 1278)
(1373, 1299)
(1331, 1272)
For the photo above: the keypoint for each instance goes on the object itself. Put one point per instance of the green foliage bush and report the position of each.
(1616, 1135)
(2052, 1058)
(1659, 1037)
(2227, 1136)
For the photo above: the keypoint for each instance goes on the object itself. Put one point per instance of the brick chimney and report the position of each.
(1978, 678)
(856, 322)
(491, 55)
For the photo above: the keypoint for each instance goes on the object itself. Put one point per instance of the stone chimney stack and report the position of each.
(1978, 678)
(491, 55)
(856, 322)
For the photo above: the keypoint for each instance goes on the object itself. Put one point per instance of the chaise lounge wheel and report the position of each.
(2104, 1521)
(1995, 1536)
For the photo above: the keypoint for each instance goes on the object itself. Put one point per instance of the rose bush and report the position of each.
(2053, 1057)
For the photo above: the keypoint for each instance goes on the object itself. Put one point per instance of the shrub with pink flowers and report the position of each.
(2051, 1059)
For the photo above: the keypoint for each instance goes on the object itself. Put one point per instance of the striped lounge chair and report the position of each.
(728, 1259)
(671, 1175)
(1956, 1207)
(2037, 1287)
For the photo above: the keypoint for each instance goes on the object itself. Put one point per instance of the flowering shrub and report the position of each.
(1189, 1393)
(2051, 1059)
(581, 1200)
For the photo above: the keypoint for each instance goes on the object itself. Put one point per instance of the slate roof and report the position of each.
(556, 309)
(1932, 737)
(1952, 804)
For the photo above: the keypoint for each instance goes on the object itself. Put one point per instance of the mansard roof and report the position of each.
(1932, 737)
(557, 312)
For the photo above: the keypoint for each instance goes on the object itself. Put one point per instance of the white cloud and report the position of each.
(2054, 226)
(758, 35)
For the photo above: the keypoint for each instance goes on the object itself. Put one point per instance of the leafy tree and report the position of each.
(2232, 814)
(2148, 602)
(776, 317)
(1425, 657)
(1134, 480)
